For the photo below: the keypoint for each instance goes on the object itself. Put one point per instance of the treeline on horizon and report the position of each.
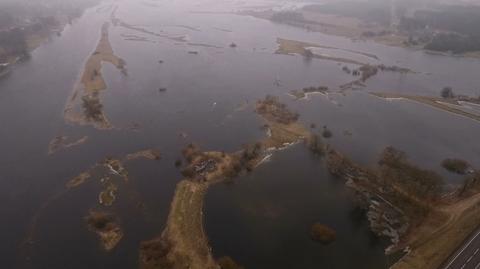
(461, 26)
(455, 28)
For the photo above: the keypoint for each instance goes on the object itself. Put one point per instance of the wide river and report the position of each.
(261, 220)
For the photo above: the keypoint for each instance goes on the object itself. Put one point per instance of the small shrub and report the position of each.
(456, 166)
(99, 221)
(322, 233)
(447, 93)
(326, 132)
(316, 145)
(188, 172)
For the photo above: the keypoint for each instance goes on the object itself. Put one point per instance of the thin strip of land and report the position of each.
(288, 47)
(443, 104)
(84, 107)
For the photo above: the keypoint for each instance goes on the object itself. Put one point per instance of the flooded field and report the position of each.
(158, 75)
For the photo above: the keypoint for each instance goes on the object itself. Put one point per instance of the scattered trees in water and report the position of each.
(401, 192)
(367, 71)
(456, 166)
(424, 184)
(322, 233)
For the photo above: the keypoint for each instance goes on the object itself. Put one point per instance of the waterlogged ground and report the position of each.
(209, 92)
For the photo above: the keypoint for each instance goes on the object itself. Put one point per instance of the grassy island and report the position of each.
(84, 107)
(106, 227)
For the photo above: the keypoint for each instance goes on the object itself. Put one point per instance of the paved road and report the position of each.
(467, 256)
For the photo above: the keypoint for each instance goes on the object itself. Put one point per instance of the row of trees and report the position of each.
(421, 183)
(453, 42)
(459, 19)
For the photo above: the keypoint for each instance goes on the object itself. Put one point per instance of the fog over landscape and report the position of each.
(240, 134)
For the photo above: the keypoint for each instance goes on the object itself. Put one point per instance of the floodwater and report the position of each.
(209, 97)
(263, 219)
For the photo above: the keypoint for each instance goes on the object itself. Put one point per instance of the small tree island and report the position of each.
(322, 233)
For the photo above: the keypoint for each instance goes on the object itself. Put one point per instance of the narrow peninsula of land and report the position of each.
(84, 107)
(183, 243)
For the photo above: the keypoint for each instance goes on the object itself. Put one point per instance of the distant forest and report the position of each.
(460, 28)
(452, 28)
(374, 11)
